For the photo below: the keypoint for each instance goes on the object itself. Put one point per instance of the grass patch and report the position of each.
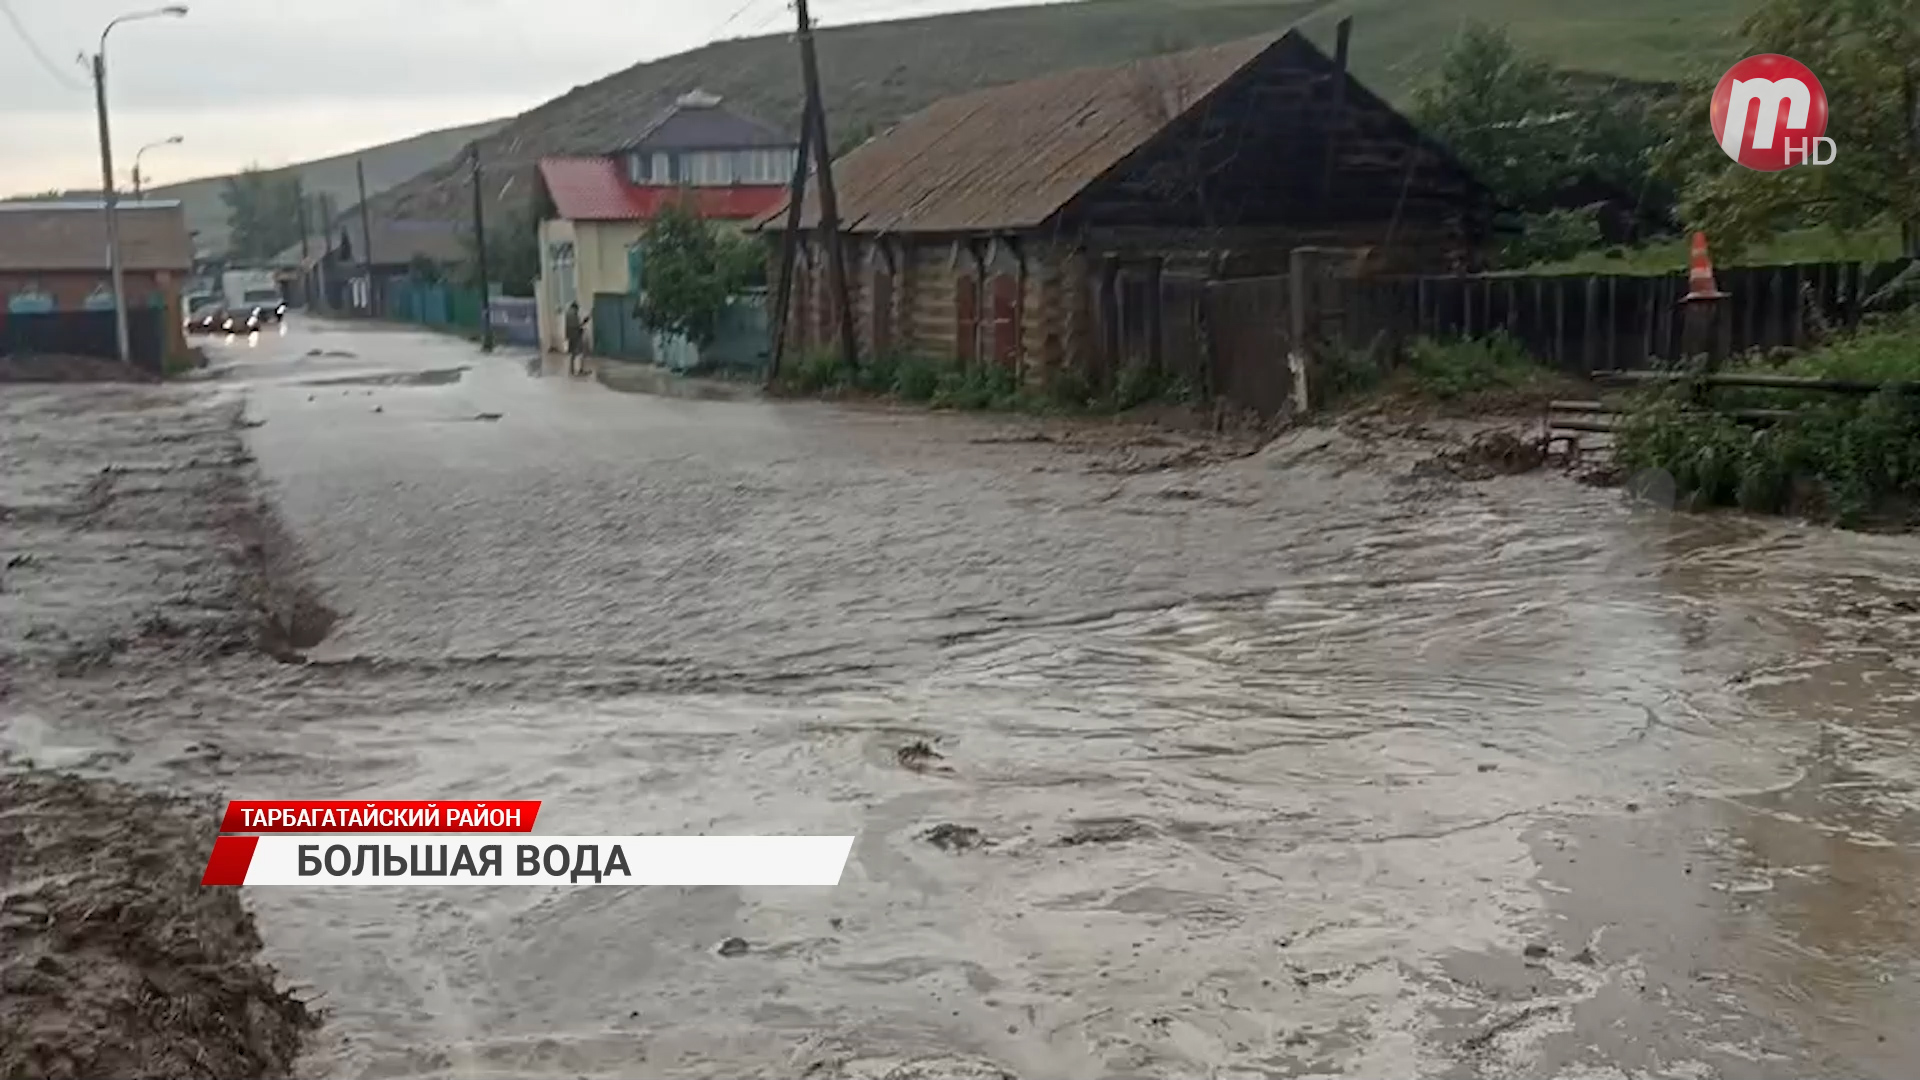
(1850, 460)
(947, 384)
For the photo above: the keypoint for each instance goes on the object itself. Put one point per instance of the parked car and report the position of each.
(207, 318)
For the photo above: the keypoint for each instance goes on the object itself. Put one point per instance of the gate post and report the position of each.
(1299, 265)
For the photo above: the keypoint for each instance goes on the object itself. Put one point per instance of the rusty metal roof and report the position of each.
(51, 236)
(1009, 157)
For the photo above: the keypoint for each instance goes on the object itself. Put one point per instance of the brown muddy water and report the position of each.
(1298, 763)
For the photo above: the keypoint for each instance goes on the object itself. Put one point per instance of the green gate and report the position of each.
(616, 332)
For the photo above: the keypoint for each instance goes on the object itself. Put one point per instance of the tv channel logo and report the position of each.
(1770, 113)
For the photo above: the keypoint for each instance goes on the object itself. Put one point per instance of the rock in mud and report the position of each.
(114, 961)
(734, 946)
(1487, 455)
(949, 837)
(919, 756)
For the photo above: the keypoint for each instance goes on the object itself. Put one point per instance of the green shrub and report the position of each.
(1837, 457)
(1067, 388)
(814, 371)
(1449, 370)
(877, 374)
(1137, 384)
(983, 386)
(917, 378)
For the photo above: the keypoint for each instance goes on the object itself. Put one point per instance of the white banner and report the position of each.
(495, 858)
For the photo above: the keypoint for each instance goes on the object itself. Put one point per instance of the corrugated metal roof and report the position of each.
(1008, 157)
(73, 236)
(586, 188)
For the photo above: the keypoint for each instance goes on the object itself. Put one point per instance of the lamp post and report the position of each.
(175, 140)
(107, 195)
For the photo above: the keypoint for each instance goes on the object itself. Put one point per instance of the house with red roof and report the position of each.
(729, 167)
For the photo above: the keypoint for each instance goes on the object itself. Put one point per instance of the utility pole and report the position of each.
(107, 195)
(111, 202)
(789, 252)
(815, 116)
(306, 272)
(366, 230)
(480, 255)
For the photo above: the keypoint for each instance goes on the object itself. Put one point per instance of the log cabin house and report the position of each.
(1013, 223)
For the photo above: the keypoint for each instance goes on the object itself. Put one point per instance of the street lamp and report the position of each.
(175, 140)
(107, 194)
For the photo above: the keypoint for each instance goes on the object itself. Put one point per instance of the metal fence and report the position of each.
(86, 333)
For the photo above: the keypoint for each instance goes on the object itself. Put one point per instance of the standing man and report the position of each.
(576, 328)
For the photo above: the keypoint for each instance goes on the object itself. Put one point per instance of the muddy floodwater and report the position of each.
(1294, 763)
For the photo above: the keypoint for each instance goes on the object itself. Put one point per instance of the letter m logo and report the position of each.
(1760, 100)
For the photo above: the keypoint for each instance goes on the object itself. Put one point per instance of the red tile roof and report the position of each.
(594, 189)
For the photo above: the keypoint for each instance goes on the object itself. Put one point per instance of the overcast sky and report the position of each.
(277, 81)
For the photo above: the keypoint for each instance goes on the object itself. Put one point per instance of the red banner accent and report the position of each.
(379, 815)
(229, 861)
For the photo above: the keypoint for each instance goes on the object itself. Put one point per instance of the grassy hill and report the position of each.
(387, 165)
(876, 73)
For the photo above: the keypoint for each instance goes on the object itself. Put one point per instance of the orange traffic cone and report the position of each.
(1700, 284)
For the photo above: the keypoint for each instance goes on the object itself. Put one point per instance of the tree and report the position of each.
(513, 253)
(263, 212)
(1867, 56)
(1535, 135)
(1503, 114)
(689, 270)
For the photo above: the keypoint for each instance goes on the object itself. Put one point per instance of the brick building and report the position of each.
(56, 285)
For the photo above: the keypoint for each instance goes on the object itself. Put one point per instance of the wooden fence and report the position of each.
(1230, 339)
(1584, 324)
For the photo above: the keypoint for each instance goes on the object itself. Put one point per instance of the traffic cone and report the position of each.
(1700, 284)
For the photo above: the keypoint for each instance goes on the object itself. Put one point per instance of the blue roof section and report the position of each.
(701, 122)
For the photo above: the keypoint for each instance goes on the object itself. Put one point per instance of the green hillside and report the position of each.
(873, 74)
(387, 165)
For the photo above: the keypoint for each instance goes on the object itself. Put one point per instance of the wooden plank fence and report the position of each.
(1588, 323)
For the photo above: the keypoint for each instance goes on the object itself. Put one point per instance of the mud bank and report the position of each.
(135, 546)
(113, 960)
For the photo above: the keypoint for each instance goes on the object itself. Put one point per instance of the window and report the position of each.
(560, 267)
(764, 166)
(709, 167)
(650, 168)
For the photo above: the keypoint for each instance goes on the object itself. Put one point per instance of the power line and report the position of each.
(33, 47)
(733, 18)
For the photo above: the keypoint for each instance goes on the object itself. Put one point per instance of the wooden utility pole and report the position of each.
(366, 231)
(480, 255)
(815, 118)
(789, 252)
(300, 211)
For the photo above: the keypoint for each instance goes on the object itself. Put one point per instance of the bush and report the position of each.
(1844, 459)
(1137, 385)
(1068, 388)
(983, 386)
(1449, 370)
(1551, 236)
(814, 371)
(916, 379)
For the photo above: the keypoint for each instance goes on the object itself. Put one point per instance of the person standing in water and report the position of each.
(576, 328)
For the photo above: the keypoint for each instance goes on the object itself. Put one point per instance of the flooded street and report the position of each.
(1292, 764)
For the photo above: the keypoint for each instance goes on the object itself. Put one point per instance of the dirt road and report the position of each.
(1288, 764)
